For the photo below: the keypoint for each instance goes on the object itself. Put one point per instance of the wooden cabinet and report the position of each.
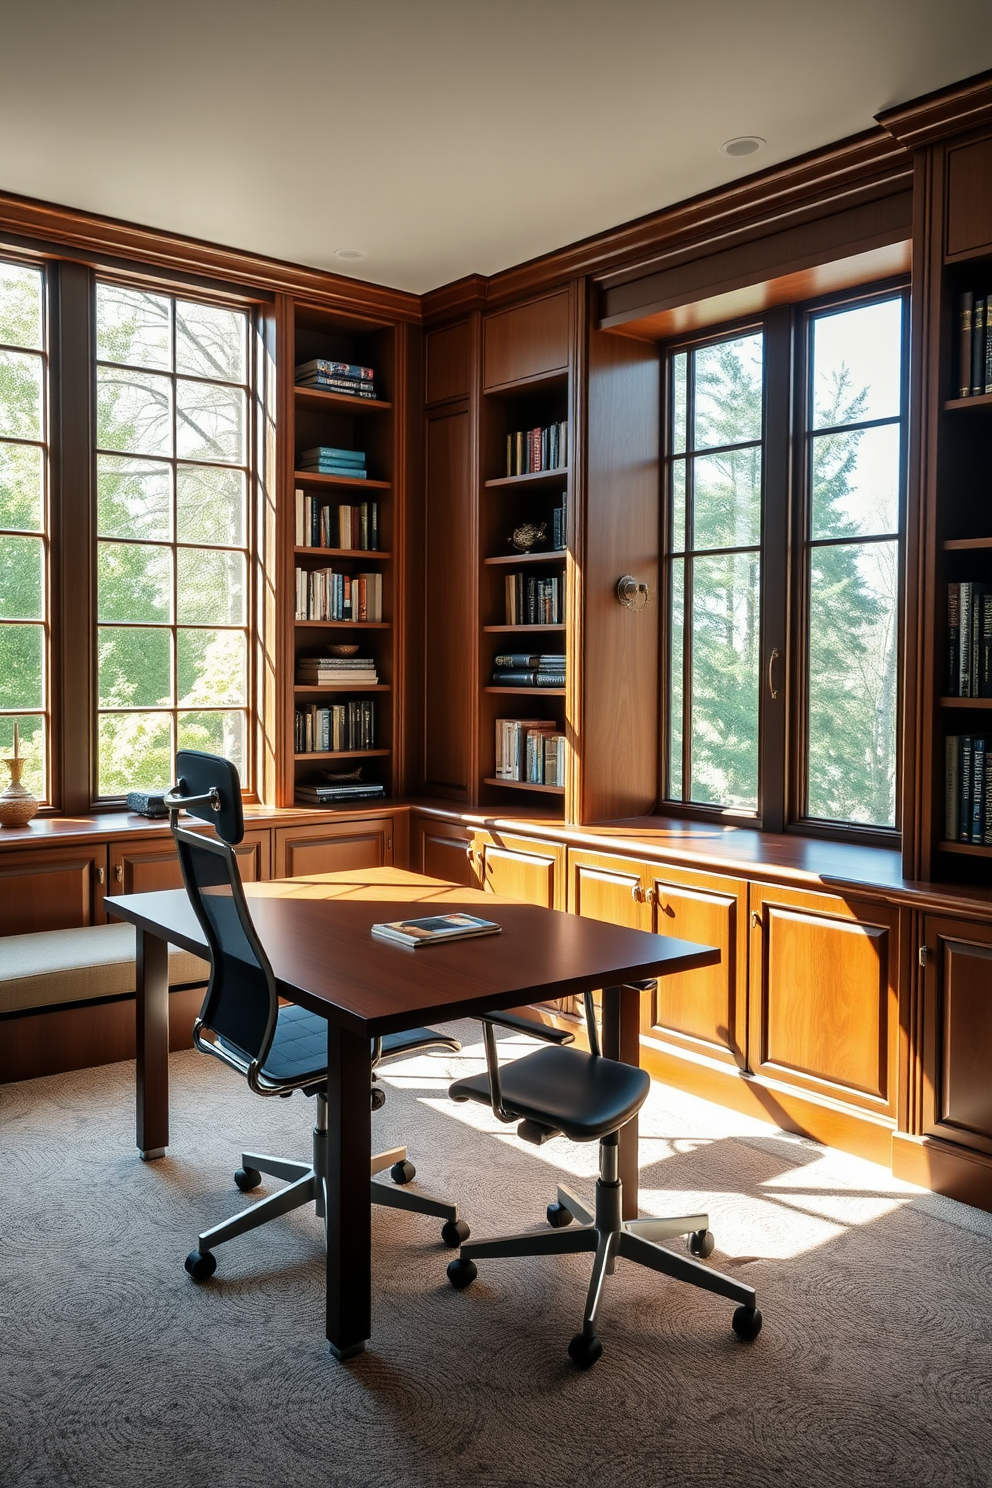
(824, 1001)
(525, 868)
(141, 867)
(529, 341)
(444, 849)
(957, 1033)
(52, 888)
(704, 1010)
(333, 848)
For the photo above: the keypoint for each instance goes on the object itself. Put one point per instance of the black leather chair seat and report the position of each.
(584, 1096)
(299, 1046)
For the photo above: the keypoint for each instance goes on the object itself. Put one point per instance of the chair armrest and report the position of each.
(530, 1024)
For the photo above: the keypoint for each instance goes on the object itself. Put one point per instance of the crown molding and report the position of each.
(948, 111)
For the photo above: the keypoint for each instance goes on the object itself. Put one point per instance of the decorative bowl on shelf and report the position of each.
(343, 650)
(528, 535)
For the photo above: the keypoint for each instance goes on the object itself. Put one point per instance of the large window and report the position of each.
(784, 512)
(172, 465)
(24, 522)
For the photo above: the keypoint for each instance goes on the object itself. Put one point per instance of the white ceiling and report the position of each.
(444, 137)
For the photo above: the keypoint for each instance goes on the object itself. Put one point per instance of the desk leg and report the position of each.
(622, 1040)
(347, 1216)
(151, 1040)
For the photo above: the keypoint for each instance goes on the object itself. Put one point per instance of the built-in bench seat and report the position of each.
(67, 998)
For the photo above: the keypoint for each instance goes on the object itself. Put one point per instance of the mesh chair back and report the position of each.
(196, 774)
(241, 1004)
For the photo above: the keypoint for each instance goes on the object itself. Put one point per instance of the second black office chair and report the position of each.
(587, 1098)
(277, 1048)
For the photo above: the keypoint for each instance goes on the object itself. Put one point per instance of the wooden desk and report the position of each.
(316, 932)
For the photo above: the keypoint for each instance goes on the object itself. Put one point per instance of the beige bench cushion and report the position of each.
(54, 967)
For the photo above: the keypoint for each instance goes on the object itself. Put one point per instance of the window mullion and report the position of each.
(774, 673)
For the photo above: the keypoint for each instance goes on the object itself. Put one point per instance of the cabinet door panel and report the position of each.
(602, 888)
(333, 849)
(824, 1003)
(958, 1033)
(444, 850)
(708, 1006)
(145, 867)
(969, 197)
(523, 869)
(526, 342)
(59, 888)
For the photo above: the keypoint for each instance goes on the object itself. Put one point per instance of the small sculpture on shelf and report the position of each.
(529, 535)
(17, 804)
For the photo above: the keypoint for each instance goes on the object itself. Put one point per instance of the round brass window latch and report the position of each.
(631, 594)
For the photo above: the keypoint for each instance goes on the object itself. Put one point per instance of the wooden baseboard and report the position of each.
(858, 1132)
(54, 1040)
(944, 1168)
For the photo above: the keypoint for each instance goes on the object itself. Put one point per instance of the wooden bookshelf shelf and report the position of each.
(342, 624)
(547, 790)
(303, 687)
(527, 691)
(971, 849)
(965, 544)
(363, 553)
(514, 629)
(311, 478)
(324, 402)
(341, 754)
(537, 477)
(981, 400)
(957, 702)
(555, 555)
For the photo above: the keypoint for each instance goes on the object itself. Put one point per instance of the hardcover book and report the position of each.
(434, 929)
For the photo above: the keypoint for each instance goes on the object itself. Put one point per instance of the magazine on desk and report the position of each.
(435, 929)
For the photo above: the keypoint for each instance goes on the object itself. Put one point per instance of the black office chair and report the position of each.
(278, 1049)
(587, 1098)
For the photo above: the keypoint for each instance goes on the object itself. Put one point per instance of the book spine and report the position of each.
(965, 308)
(374, 526)
(978, 347)
(977, 596)
(977, 789)
(985, 657)
(952, 787)
(988, 348)
(964, 649)
(987, 813)
(953, 639)
(964, 797)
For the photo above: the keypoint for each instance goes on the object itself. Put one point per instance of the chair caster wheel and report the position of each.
(559, 1216)
(584, 1350)
(403, 1172)
(701, 1243)
(747, 1323)
(454, 1233)
(378, 1098)
(201, 1264)
(247, 1179)
(462, 1273)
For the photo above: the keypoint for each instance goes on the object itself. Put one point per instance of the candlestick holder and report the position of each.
(17, 804)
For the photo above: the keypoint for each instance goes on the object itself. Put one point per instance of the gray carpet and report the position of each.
(874, 1366)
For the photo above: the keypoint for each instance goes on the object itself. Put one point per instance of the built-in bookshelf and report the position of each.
(341, 705)
(524, 511)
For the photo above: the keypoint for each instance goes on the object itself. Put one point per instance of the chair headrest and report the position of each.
(197, 774)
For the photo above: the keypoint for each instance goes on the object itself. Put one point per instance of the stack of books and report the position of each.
(336, 377)
(340, 728)
(968, 786)
(326, 460)
(531, 450)
(349, 527)
(335, 671)
(534, 601)
(530, 750)
(974, 345)
(969, 640)
(519, 669)
(338, 795)
(323, 594)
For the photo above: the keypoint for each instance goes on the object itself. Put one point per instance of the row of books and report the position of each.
(559, 524)
(968, 783)
(341, 526)
(341, 727)
(969, 640)
(534, 601)
(339, 795)
(974, 344)
(327, 459)
(531, 450)
(324, 594)
(530, 750)
(519, 669)
(336, 377)
(336, 671)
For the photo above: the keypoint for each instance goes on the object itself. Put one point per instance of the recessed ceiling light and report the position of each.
(350, 255)
(743, 144)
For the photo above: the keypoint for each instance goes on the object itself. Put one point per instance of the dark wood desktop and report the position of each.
(316, 932)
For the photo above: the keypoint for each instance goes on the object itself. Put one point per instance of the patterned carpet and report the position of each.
(874, 1366)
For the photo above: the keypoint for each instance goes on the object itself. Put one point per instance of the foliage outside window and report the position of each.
(839, 625)
(173, 446)
(24, 522)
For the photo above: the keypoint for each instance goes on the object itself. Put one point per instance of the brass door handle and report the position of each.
(755, 920)
(772, 689)
(637, 894)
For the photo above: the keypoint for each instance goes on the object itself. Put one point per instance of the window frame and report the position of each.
(783, 626)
